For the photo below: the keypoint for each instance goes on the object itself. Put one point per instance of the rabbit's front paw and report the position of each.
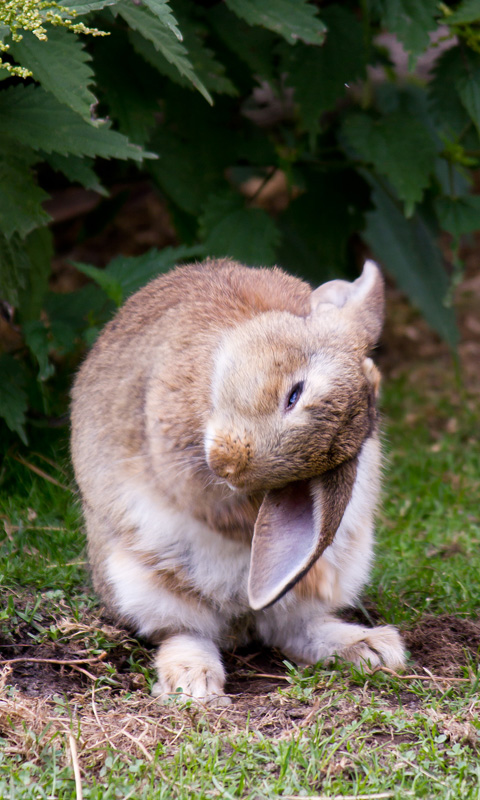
(380, 646)
(190, 667)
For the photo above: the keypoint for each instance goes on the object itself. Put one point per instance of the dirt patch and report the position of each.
(254, 670)
(50, 669)
(65, 688)
(444, 644)
(41, 679)
(89, 701)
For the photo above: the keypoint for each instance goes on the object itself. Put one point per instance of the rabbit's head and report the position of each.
(293, 400)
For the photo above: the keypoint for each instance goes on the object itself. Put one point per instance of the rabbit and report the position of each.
(226, 448)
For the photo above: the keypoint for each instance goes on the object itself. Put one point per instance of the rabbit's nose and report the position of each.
(228, 455)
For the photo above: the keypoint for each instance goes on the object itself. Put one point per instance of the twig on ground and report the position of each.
(414, 677)
(61, 662)
(42, 473)
(49, 461)
(144, 750)
(247, 659)
(76, 767)
(179, 733)
(84, 672)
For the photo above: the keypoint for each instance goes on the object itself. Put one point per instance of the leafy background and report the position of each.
(366, 114)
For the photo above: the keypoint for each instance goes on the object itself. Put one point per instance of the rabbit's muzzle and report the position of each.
(229, 456)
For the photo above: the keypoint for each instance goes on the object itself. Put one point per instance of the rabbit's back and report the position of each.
(184, 312)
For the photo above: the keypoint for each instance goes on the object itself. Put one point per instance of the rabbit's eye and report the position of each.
(294, 395)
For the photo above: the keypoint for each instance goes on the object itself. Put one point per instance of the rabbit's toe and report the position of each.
(380, 646)
(190, 667)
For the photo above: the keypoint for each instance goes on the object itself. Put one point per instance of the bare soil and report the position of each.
(443, 645)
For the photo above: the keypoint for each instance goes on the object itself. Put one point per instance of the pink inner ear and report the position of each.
(284, 542)
(294, 526)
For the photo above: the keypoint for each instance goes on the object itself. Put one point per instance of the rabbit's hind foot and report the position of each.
(189, 667)
(377, 647)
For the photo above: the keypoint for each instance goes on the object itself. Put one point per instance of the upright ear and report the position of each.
(294, 526)
(363, 301)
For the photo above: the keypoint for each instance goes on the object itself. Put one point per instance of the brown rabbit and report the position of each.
(225, 445)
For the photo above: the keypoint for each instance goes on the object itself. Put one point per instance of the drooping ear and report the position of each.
(294, 526)
(363, 301)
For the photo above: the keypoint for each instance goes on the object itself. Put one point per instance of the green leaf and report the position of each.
(133, 272)
(78, 170)
(411, 21)
(210, 71)
(232, 229)
(411, 255)
(469, 92)
(318, 225)
(143, 21)
(292, 19)
(61, 66)
(124, 275)
(108, 283)
(176, 172)
(465, 13)
(20, 196)
(319, 75)
(132, 86)
(35, 118)
(163, 12)
(37, 340)
(14, 268)
(39, 249)
(400, 147)
(459, 215)
(255, 47)
(78, 310)
(85, 6)
(448, 110)
(13, 398)
(189, 169)
(63, 339)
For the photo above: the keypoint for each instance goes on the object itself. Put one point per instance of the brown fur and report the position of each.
(186, 442)
(143, 398)
(321, 581)
(235, 518)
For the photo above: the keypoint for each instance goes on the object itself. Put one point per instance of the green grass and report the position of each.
(429, 527)
(325, 732)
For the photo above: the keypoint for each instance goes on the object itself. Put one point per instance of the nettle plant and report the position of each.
(213, 98)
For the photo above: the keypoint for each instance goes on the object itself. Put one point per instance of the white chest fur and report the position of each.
(176, 573)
